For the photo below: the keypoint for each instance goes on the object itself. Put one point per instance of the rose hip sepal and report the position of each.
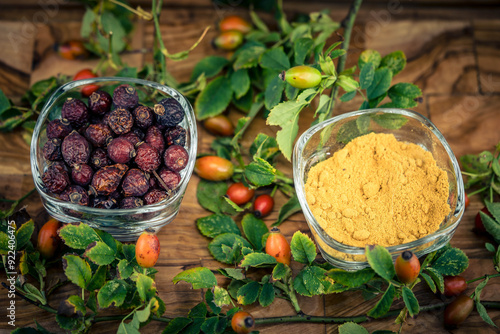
(75, 149)
(135, 183)
(75, 111)
(107, 179)
(176, 158)
(76, 195)
(168, 112)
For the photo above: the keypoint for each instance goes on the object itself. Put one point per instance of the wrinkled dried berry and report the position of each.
(99, 158)
(147, 158)
(107, 179)
(170, 178)
(98, 134)
(120, 150)
(75, 149)
(169, 112)
(58, 128)
(155, 196)
(135, 183)
(143, 117)
(82, 174)
(131, 137)
(100, 102)
(119, 120)
(125, 96)
(154, 138)
(131, 203)
(175, 136)
(76, 195)
(176, 158)
(75, 111)
(138, 133)
(52, 150)
(56, 178)
(104, 202)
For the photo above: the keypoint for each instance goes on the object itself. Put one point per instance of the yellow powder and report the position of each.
(378, 190)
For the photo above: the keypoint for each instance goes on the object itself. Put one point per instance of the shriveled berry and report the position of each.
(120, 121)
(155, 196)
(135, 183)
(98, 134)
(131, 137)
(107, 179)
(120, 150)
(154, 137)
(82, 174)
(125, 96)
(169, 112)
(58, 128)
(131, 203)
(175, 136)
(147, 158)
(99, 158)
(100, 102)
(52, 149)
(76, 195)
(176, 158)
(170, 178)
(104, 202)
(75, 149)
(55, 178)
(75, 111)
(143, 117)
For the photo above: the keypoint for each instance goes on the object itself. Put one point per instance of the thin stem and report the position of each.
(477, 191)
(482, 278)
(43, 307)
(139, 11)
(154, 10)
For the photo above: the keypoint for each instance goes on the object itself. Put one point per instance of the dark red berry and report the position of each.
(52, 149)
(104, 202)
(75, 149)
(135, 183)
(99, 158)
(98, 134)
(176, 158)
(155, 196)
(100, 102)
(154, 138)
(58, 128)
(82, 174)
(131, 137)
(170, 178)
(120, 150)
(131, 203)
(143, 117)
(153, 183)
(119, 120)
(175, 136)
(169, 112)
(56, 178)
(75, 111)
(125, 96)
(263, 205)
(76, 195)
(138, 133)
(147, 158)
(107, 179)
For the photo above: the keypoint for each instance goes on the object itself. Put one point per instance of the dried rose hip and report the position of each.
(99, 158)
(138, 133)
(143, 117)
(170, 178)
(82, 174)
(131, 203)
(131, 137)
(135, 183)
(154, 138)
(120, 150)
(176, 158)
(120, 121)
(175, 136)
(104, 202)
(147, 158)
(52, 150)
(75, 149)
(107, 179)
(75, 111)
(98, 134)
(169, 112)
(58, 128)
(100, 102)
(56, 178)
(76, 195)
(125, 96)
(155, 196)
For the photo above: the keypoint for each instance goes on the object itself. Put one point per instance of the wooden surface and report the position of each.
(453, 54)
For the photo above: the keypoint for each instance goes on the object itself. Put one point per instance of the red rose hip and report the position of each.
(176, 158)
(147, 158)
(120, 150)
(82, 174)
(125, 96)
(56, 178)
(107, 179)
(100, 102)
(135, 183)
(75, 111)
(170, 178)
(75, 149)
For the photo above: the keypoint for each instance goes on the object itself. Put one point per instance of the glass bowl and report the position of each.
(123, 224)
(322, 140)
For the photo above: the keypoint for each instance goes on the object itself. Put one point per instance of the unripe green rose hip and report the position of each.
(302, 76)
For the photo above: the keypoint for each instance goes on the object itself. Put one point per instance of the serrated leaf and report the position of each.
(199, 311)
(380, 260)
(380, 84)
(210, 66)
(100, 253)
(111, 24)
(484, 314)
(200, 278)
(257, 260)
(209, 299)
(390, 121)
(260, 172)
(281, 271)
(23, 234)
(352, 279)
(273, 93)
(301, 48)
(494, 209)
(303, 248)
(264, 147)
(404, 95)
(366, 75)
(275, 59)
(221, 296)
(214, 99)
(176, 325)
(233, 273)
(248, 57)
(227, 239)
(98, 279)
(411, 301)
(254, 228)
(437, 278)
(87, 22)
(78, 236)
(429, 282)
(352, 328)
(395, 61)
(384, 304)
(309, 281)
(77, 270)
(145, 287)
(369, 56)
(125, 269)
(209, 194)
(113, 292)
(216, 224)
(291, 207)
(347, 83)
(248, 293)
(266, 296)
(240, 83)
(452, 262)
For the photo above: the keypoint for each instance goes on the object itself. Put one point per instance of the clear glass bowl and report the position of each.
(123, 224)
(323, 140)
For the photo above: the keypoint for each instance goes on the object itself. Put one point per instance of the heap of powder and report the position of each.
(378, 190)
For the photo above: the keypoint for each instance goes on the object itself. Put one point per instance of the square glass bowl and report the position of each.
(321, 141)
(123, 224)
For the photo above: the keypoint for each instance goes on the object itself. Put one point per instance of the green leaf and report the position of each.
(258, 22)
(216, 247)
(348, 131)
(78, 236)
(301, 48)
(100, 253)
(429, 282)
(411, 301)
(221, 296)
(347, 83)
(248, 293)
(303, 248)
(309, 281)
(248, 57)
(484, 314)
(177, 325)
(380, 84)
(266, 297)
(264, 147)
(4, 102)
(274, 92)
(437, 278)
(369, 56)
(494, 209)
(395, 61)
(351, 279)
(452, 262)
(200, 278)
(275, 59)
(495, 166)
(98, 278)
(113, 292)
(366, 76)
(240, 83)
(145, 287)
(404, 95)
(214, 225)
(260, 172)
(291, 207)
(110, 23)
(390, 121)
(348, 96)
(87, 21)
(281, 271)
(23, 234)
(352, 328)
(209, 325)
(233, 273)
(77, 270)
(209, 194)
(384, 304)
(477, 164)
(214, 99)
(210, 66)
(209, 299)
(127, 328)
(257, 260)
(125, 269)
(380, 260)
(254, 229)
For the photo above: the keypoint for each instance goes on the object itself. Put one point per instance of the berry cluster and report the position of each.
(113, 152)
